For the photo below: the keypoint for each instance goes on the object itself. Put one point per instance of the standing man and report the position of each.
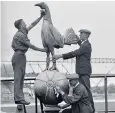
(20, 45)
(79, 99)
(83, 65)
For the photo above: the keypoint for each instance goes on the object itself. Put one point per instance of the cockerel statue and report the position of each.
(51, 37)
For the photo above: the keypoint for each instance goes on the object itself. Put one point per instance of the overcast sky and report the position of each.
(98, 17)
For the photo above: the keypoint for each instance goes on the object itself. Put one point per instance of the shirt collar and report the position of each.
(83, 41)
(76, 84)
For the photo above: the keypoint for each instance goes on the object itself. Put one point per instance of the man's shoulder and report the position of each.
(81, 87)
(19, 35)
(86, 44)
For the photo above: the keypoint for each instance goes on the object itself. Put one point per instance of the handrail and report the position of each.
(93, 60)
(33, 78)
(105, 76)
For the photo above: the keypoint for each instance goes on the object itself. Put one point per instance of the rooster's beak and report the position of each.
(37, 5)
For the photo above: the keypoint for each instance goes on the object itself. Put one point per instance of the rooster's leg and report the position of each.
(54, 62)
(47, 61)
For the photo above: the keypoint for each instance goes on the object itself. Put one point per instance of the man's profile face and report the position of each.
(73, 82)
(23, 25)
(83, 36)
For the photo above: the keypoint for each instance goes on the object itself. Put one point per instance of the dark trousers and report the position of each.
(69, 110)
(19, 65)
(85, 80)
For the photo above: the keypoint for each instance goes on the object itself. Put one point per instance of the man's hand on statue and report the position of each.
(59, 90)
(44, 49)
(61, 107)
(56, 57)
(42, 13)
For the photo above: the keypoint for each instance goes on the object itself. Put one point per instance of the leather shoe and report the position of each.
(22, 102)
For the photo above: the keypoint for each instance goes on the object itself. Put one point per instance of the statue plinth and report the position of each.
(51, 109)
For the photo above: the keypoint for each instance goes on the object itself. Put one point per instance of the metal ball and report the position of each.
(45, 86)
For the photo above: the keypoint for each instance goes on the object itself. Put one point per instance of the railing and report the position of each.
(93, 76)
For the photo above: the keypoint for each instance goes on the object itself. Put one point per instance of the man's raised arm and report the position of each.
(36, 21)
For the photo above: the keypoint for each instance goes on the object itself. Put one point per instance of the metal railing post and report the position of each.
(106, 99)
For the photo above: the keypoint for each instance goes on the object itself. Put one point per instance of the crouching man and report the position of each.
(78, 99)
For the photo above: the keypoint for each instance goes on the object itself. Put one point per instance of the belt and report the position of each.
(20, 51)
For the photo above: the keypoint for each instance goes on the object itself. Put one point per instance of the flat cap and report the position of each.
(72, 76)
(85, 30)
